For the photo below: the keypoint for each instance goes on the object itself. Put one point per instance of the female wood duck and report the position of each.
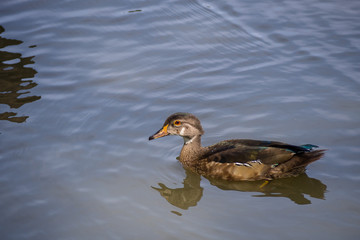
(239, 159)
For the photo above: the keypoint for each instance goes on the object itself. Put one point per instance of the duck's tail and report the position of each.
(296, 165)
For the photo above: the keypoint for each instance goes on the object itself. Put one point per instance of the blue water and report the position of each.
(83, 85)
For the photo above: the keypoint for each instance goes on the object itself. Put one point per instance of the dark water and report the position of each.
(84, 83)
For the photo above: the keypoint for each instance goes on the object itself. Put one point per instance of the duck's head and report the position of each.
(185, 125)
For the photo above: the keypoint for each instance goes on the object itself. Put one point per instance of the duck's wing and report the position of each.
(245, 151)
(260, 143)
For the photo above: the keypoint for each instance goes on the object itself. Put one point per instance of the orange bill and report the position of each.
(161, 133)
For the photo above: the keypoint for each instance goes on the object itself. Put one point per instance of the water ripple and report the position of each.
(109, 74)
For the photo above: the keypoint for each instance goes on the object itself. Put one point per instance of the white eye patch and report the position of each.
(182, 131)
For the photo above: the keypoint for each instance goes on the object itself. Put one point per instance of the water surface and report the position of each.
(84, 83)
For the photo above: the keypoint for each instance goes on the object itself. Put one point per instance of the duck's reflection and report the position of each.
(294, 188)
(14, 80)
(187, 196)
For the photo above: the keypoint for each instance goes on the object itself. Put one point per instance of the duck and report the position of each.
(236, 159)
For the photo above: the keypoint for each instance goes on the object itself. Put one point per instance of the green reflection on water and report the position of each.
(15, 80)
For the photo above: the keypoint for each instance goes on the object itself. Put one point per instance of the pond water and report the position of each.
(85, 83)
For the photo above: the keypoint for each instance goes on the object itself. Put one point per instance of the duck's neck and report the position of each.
(191, 151)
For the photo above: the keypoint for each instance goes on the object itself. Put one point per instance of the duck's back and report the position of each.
(245, 159)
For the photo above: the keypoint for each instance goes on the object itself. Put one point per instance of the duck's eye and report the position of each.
(177, 123)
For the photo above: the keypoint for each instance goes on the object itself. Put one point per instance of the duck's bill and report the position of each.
(161, 133)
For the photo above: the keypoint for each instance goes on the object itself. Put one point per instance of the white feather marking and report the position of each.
(243, 164)
(256, 161)
(187, 140)
(182, 131)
